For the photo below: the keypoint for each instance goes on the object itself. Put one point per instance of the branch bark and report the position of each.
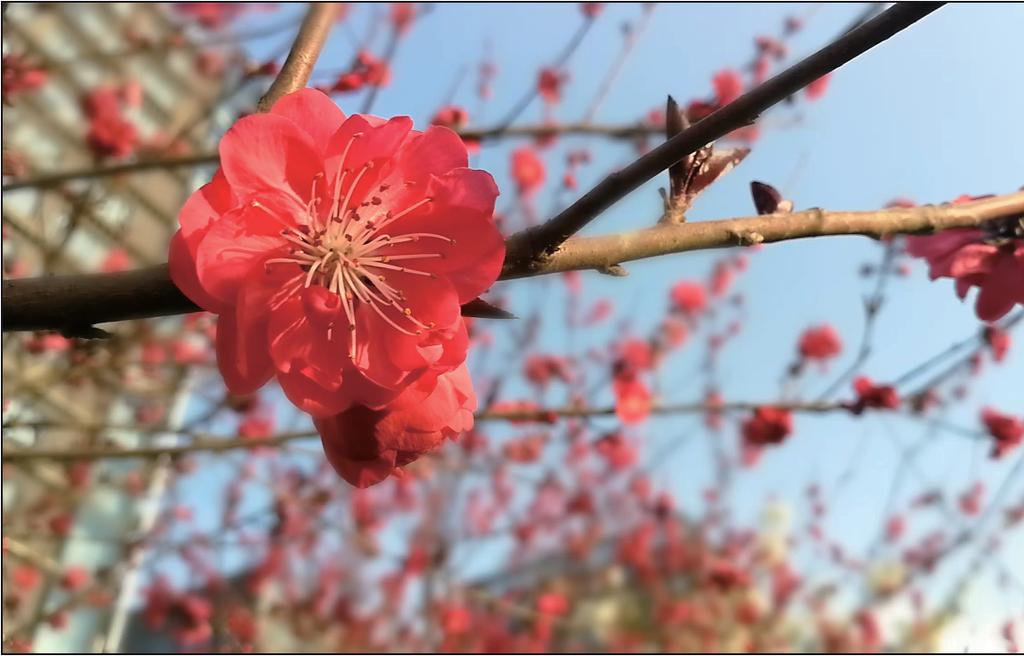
(74, 303)
(606, 251)
(294, 75)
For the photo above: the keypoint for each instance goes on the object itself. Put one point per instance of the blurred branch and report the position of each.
(559, 63)
(294, 75)
(872, 308)
(533, 131)
(208, 443)
(535, 244)
(74, 302)
(630, 38)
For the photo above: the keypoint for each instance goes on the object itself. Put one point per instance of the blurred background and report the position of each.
(136, 517)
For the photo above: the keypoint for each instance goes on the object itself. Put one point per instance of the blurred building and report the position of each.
(170, 97)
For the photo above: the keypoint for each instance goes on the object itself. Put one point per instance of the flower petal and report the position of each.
(1001, 289)
(203, 206)
(351, 449)
(312, 397)
(436, 151)
(232, 246)
(182, 268)
(314, 112)
(270, 159)
(242, 355)
(973, 259)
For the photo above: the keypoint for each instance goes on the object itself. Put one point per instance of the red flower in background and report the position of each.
(632, 399)
(998, 340)
(217, 15)
(549, 84)
(20, 76)
(402, 15)
(689, 297)
(451, 116)
(527, 170)
(870, 395)
(619, 453)
(337, 253)
(970, 502)
(768, 425)
(367, 70)
(820, 343)
(541, 369)
(116, 260)
(728, 86)
(816, 89)
(365, 445)
(110, 133)
(456, 118)
(1007, 430)
(990, 258)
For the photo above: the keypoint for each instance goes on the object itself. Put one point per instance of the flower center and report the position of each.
(346, 250)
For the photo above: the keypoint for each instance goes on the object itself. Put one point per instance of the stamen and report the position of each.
(339, 175)
(298, 258)
(390, 218)
(312, 270)
(351, 190)
(311, 214)
(392, 267)
(413, 256)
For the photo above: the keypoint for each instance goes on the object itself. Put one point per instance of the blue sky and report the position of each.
(931, 114)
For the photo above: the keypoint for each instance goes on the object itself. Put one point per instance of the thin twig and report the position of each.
(206, 443)
(629, 42)
(48, 180)
(560, 62)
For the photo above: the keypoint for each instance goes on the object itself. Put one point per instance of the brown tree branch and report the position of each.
(73, 303)
(540, 241)
(606, 251)
(316, 26)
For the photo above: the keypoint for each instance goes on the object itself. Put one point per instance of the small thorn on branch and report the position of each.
(748, 237)
(768, 200)
(616, 270)
(85, 332)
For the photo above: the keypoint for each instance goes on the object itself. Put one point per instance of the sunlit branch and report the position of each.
(297, 68)
(74, 303)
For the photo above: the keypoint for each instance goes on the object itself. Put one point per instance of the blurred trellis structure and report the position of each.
(92, 225)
